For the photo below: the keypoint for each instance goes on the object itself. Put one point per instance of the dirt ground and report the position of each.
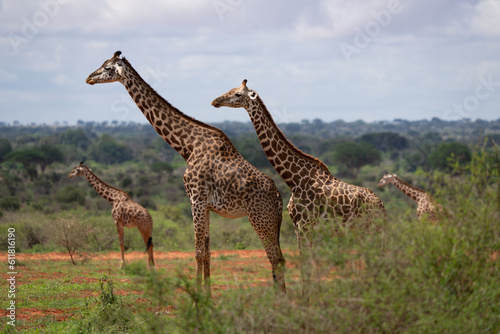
(234, 265)
(136, 255)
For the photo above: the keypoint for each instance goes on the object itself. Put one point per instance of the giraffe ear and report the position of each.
(252, 94)
(119, 68)
(117, 54)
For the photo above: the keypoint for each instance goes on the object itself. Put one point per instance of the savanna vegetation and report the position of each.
(440, 278)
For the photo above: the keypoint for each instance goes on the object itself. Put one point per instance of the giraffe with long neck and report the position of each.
(316, 194)
(217, 178)
(126, 212)
(426, 205)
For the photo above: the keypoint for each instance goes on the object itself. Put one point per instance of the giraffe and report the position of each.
(425, 203)
(126, 212)
(316, 194)
(217, 177)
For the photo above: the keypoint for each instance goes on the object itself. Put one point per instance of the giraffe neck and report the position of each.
(177, 129)
(413, 192)
(292, 164)
(106, 191)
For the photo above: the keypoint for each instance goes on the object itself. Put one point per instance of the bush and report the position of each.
(10, 203)
(70, 234)
(356, 155)
(5, 148)
(440, 158)
(71, 194)
(109, 151)
(105, 314)
(429, 278)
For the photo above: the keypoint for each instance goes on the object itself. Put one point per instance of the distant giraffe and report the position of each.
(126, 212)
(316, 194)
(217, 179)
(425, 203)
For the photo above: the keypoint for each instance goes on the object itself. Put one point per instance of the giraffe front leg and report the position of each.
(202, 245)
(119, 228)
(306, 265)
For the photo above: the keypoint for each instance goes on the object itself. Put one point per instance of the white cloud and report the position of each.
(426, 59)
(485, 18)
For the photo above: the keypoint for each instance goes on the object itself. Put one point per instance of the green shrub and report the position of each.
(136, 268)
(10, 203)
(71, 194)
(105, 314)
(439, 159)
(428, 277)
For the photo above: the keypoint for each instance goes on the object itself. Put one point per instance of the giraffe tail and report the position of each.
(150, 244)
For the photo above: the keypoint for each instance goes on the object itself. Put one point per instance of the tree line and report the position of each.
(34, 159)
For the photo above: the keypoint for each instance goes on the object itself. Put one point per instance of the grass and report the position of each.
(58, 297)
(428, 278)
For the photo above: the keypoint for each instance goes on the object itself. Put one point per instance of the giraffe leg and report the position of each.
(148, 241)
(271, 243)
(119, 227)
(306, 265)
(201, 221)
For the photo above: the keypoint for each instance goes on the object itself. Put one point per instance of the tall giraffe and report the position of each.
(217, 178)
(425, 203)
(316, 194)
(126, 212)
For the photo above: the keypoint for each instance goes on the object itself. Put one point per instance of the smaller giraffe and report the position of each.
(126, 212)
(425, 203)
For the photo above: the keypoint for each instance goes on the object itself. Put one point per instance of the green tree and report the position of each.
(51, 154)
(29, 158)
(77, 138)
(5, 148)
(249, 146)
(109, 151)
(440, 158)
(386, 141)
(26, 156)
(356, 155)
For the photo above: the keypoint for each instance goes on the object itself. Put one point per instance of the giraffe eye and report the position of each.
(107, 68)
(237, 95)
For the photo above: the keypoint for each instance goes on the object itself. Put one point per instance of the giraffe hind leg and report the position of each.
(148, 241)
(271, 244)
(149, 250)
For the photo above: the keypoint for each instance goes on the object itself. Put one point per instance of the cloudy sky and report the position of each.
(338, 59)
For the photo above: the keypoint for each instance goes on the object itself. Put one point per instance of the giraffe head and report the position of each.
(236, 97)
(78, 170)
(112, 70)
(387, 178)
